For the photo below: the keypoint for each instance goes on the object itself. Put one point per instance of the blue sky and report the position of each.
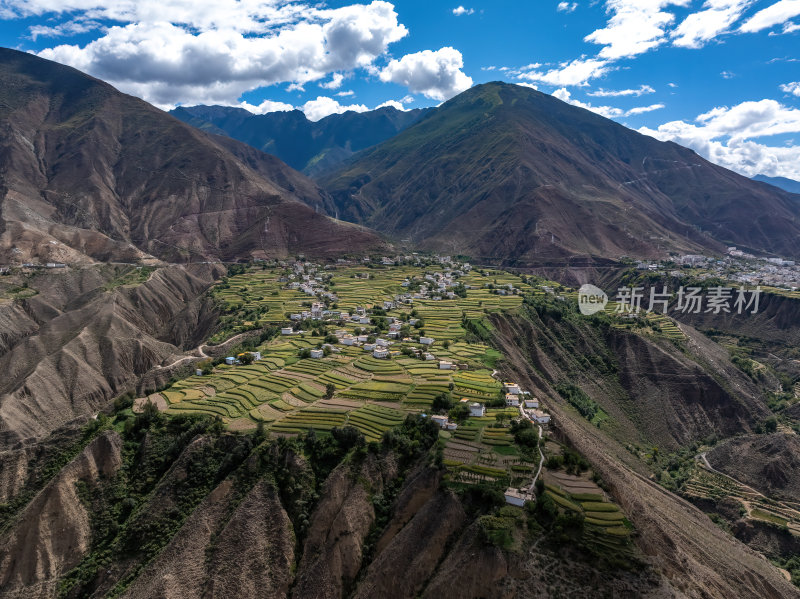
(720, 76)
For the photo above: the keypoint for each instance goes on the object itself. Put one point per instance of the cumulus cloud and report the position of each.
(324, 106)
(266, 106)
(576, 72)
(435, 74)
(567, 7)
(791, 88)
(334, 83)
(610, 112)
(604, 93)
(203, 55)
(635, 27)
(716, 18)
(252, 16)
(729, 137)
(460, 10)
(778, 13)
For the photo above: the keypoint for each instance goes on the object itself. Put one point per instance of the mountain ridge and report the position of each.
(783, 183)
(89, 173)
(312, 147)
(509, 172)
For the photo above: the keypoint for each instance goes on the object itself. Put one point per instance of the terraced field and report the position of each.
(605, 527)
(289, 393)
(705, 484)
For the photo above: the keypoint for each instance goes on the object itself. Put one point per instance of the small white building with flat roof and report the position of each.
(477, 410)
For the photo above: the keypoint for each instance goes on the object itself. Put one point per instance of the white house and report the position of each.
(317, 353)
(512, 400)
(198, 372)
(380, 353)
(477, 410)
(369, 346)
(286, 331)
(230, 360)
(426, 340)
(511, 388)
(440, 420)
(381, 342)
(445, 365)
(429, 357)
(531, 403)
(541, 417)
(517, 497)
(347, 340)
(364, 320)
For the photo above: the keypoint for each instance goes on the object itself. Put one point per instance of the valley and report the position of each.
(401, 338)
(375, 375)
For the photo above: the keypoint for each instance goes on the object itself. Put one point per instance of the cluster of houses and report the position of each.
(528, 404)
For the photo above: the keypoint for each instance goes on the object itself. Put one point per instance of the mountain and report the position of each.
(88, 173)
(308, 146)
(506, 172)
(781, 182)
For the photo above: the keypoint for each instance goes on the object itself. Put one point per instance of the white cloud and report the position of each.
(567, 7)
(577, 72)
(460, 10)
(435, 74)
(640, 91)
(635, 27)
(530, 85)
(266, 106)
(728, 136)
(727, 75)
(346, 93)
(393, 103)
(324, 106)
(65, 29)
(778, 13)
(705, 25)
(643, 109)
(206, 56)
(609, 112)
(334, 83)
(253, 16)
(791, 88)
(790, 27)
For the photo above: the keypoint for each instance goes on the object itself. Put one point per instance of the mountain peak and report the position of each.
(89, 173)
(504, 171)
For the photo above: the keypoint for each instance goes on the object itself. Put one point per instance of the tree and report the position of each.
(330, 389)
(442, 402)
(246, 358)
(459, 412)
(527, 437)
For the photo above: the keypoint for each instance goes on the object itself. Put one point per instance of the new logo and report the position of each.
(591, 299)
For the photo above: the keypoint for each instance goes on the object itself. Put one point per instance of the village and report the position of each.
(736, 267)
(364, 346)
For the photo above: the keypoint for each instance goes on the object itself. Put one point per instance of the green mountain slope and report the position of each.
(505, 172)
